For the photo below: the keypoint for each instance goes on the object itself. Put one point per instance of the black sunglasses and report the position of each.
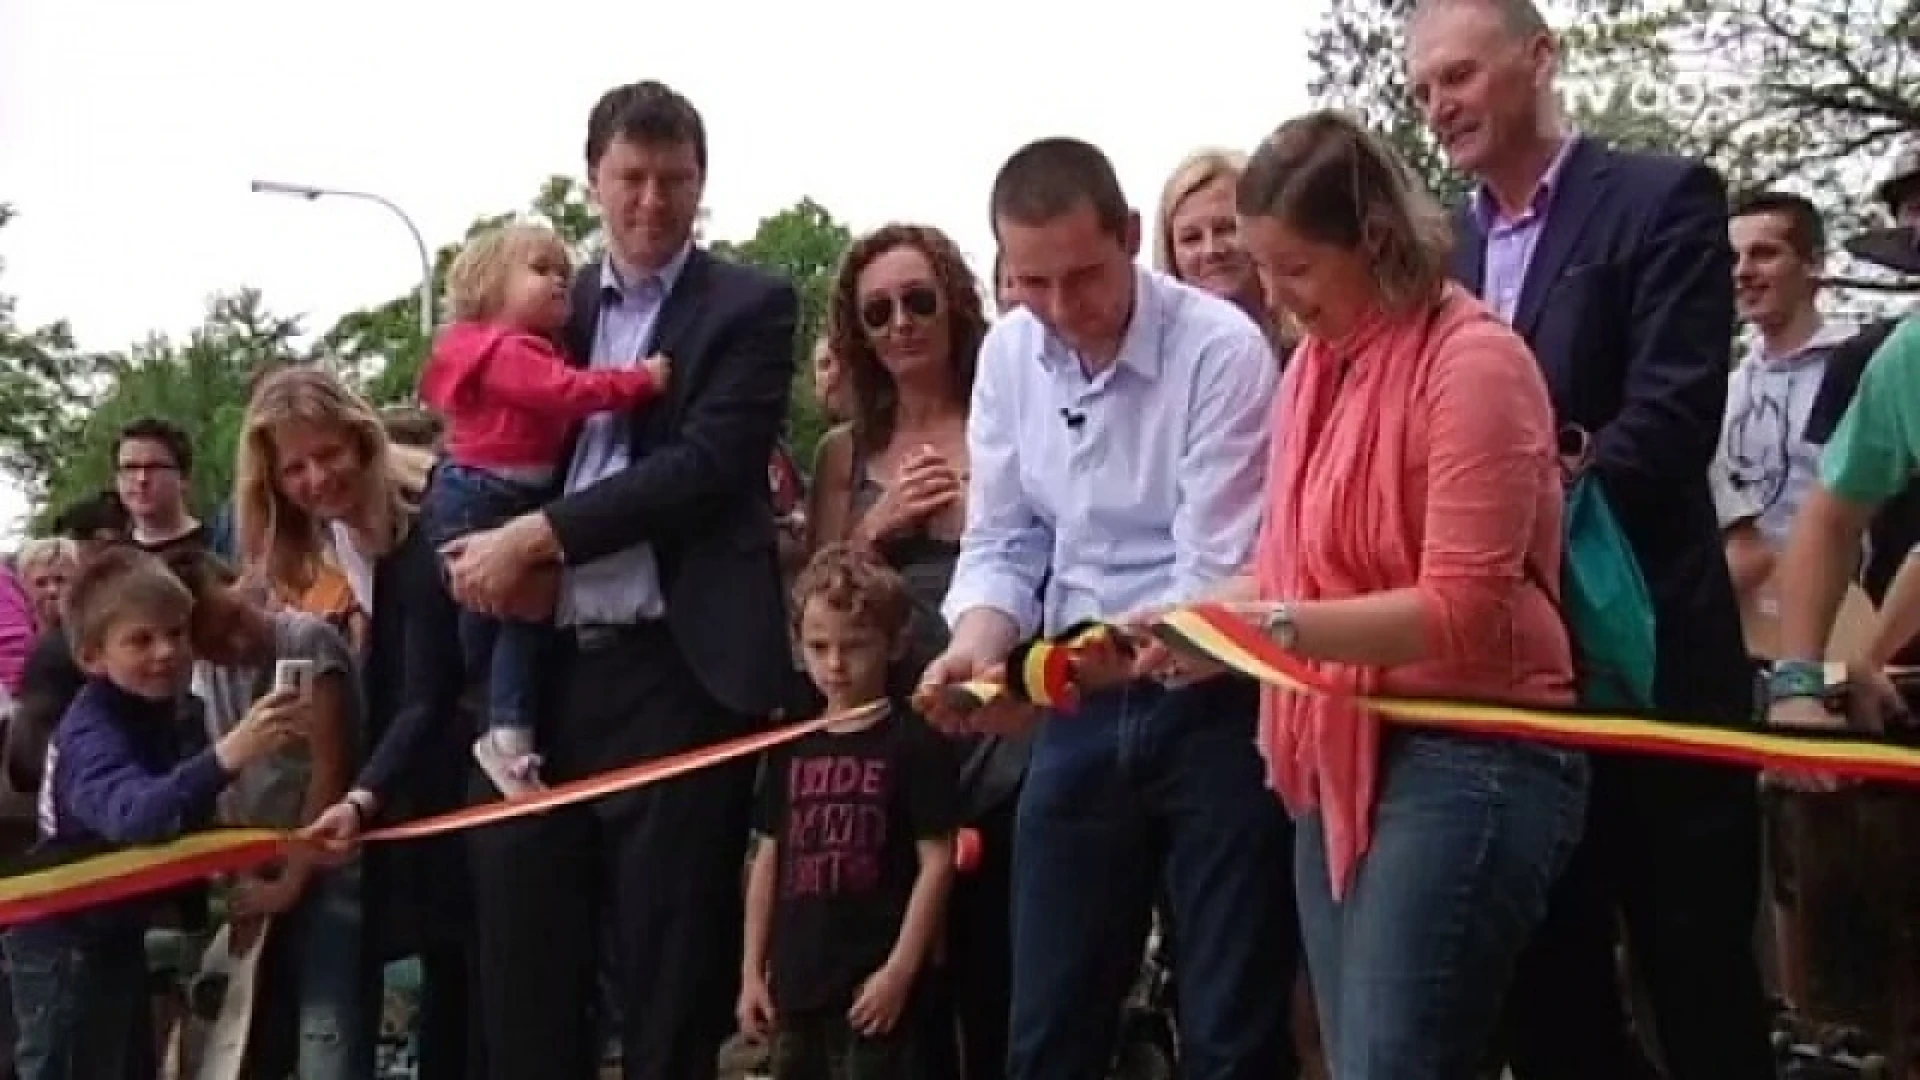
(919, 301)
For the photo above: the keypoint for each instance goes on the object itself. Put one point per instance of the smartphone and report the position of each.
(294, 675)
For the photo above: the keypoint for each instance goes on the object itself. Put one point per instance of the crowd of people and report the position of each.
(1329, 401)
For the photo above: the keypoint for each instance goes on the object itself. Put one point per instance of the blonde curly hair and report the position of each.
(477, 280)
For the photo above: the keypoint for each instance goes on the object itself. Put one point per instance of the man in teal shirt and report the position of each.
(1873, 456)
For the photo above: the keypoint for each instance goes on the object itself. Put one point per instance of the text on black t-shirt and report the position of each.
(845, 812)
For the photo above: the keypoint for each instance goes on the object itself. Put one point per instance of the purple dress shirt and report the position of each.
(1511, 240)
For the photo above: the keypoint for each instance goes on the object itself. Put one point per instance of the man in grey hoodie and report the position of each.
(1764, 462)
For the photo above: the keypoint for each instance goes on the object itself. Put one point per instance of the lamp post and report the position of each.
(310, 193)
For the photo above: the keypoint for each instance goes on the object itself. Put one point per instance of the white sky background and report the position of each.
(129, 129)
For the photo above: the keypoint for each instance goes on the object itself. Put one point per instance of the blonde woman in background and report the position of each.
(318, 482)
(44, 566)
(1197, 240)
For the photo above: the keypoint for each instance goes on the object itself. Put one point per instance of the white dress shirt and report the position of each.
(1140, 485)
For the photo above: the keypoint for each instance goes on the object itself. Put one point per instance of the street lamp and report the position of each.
(310, 193)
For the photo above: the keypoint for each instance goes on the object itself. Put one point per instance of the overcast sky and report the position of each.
(129, 129)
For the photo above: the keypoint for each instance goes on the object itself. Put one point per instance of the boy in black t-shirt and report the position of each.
(855, 827)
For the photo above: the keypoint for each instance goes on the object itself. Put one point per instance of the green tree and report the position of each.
(1830, 88)
(804, 244)
(1357, 53)
(1807, 95)
(199, 383)
(46, 389)
(563, 203)
(381, 347)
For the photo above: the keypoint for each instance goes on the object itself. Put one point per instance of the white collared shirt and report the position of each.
(1140, 485)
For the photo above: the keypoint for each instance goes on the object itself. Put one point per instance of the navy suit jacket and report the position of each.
(1628, 304)
(696, 489)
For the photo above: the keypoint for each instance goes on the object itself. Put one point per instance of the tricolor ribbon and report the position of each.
(1040, 672)
(86, 882)
(1218, 633)
(120, 875)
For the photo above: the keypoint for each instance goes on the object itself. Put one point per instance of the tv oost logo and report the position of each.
(1679, 97)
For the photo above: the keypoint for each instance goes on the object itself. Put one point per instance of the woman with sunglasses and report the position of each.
(905, 323)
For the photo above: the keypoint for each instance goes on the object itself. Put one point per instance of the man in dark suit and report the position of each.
(672, 633)
(1616, 269)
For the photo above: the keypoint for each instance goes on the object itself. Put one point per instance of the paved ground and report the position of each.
(741, 1060)
(738, 1061)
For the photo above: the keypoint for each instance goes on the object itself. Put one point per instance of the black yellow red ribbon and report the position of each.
(1218, 633)
(130, 872)
(1042, 673)
(119, 875)
(1215, 631)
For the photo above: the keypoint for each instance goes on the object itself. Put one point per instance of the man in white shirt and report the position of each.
(1118, 442)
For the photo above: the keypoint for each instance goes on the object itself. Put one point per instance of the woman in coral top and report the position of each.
(1411, 546)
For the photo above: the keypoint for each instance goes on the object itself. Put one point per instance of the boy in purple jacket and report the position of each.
(117, 775)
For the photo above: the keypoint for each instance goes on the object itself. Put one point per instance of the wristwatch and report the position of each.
(1279, 627)
(362, 803)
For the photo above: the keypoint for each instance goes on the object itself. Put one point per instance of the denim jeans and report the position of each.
(317, 1018)
(1140, 792)
(1410, 968)
(462, 500)
(82, 1011)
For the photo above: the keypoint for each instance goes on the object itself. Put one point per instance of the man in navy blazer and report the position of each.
(1616, 269)
(673, 635)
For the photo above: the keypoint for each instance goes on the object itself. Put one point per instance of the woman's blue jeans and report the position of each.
(1410, 968)
(318, 1018)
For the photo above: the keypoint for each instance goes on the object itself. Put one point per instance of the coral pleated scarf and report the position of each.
(1344, 518)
